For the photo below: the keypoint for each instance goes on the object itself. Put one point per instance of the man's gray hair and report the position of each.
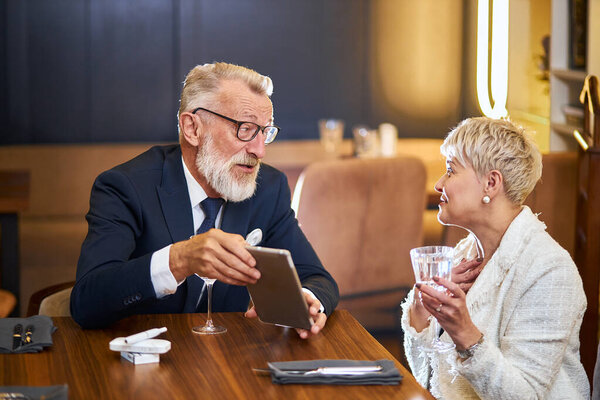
(202, 83)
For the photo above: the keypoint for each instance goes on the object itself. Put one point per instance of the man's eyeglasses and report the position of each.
(246, 131)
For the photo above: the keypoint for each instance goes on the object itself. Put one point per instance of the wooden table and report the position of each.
(14, 198)
(217, 367)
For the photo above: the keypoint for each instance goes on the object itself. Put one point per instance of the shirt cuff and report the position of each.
(305, 290)
(162, 278)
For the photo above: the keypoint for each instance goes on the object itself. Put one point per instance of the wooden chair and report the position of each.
(362, 217)
(587, 238)
(53, 301)
(7, 303)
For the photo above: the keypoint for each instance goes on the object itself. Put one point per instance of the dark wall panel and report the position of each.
(17, 125)
(111, 70)
(56, 70)
(3, 67)
(283, 43)
(131, 53)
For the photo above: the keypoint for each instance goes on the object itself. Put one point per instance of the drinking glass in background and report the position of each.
(366, 143)
(427, 262)
(388, 136)
(331, 132)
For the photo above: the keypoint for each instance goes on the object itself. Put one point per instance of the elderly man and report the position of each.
(150, 218)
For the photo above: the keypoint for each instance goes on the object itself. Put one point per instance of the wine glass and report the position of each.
(427, 262)
(209, 328)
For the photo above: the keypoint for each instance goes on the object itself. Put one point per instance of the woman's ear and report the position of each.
(494, 183)
(189, 127)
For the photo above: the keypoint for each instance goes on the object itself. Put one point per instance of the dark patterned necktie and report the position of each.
(211, 209)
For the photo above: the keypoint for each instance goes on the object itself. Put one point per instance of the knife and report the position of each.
(351, 370)
(18, 330)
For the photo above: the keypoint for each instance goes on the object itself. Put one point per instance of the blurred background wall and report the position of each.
(78, 71)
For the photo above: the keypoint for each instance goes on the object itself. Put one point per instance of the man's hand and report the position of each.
(314, 306)
(319, 318)
(214, 254)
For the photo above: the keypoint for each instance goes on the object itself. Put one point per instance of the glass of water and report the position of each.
(427, 262)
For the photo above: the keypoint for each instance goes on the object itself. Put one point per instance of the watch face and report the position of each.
(464, 354)
(468, 352)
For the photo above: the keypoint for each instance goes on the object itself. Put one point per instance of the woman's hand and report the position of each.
(465, 273)
(419, 316)
(450, 309)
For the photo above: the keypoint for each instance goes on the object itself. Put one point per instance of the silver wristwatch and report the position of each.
(469, 351)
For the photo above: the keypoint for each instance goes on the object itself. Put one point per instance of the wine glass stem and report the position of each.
(209, 293)
(435, 326)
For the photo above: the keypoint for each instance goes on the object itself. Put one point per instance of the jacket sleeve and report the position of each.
(110, 283)
(414, 342)
(533, 346)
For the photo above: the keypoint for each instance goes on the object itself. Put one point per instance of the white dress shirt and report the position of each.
(162, 278)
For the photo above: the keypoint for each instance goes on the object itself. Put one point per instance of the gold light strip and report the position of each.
(498, 73)
(580, 140)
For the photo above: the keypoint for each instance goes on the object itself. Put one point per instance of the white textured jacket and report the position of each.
(529, 303)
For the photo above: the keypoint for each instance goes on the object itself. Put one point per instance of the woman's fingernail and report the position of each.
(479, 259)
(463, 260)
(436, 278)
(418, 285)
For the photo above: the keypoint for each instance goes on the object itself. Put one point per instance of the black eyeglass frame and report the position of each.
(240, 123)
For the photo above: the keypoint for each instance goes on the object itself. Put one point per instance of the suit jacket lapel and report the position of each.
(175, 202)
(175, 199)
(236, 218)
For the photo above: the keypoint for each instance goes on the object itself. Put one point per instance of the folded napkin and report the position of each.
(57, 392)
(25, 335)
(281, 372)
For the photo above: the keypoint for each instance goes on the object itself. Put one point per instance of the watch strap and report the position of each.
(469, 351)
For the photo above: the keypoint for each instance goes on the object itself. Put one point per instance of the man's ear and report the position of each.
(189, 127)
(494, 183)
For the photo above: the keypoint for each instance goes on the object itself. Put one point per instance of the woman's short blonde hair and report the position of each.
(202, 83)
(488, 144)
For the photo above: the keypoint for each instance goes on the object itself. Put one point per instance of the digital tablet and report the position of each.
(277, 295)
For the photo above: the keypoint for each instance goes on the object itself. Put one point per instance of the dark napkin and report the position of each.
(41, 334)
(389, 375)
(57, 392)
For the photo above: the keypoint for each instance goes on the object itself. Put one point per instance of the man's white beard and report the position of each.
(220, 175)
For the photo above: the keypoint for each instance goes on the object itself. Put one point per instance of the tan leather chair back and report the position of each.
(363, 216)
(57, 304)
(53, 301)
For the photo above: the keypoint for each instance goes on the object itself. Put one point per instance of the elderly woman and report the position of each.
(516, 329)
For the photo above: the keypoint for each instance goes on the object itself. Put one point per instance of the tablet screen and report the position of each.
(277, 295)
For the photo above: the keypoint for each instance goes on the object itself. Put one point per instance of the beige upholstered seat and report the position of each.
(53, 301)
(363, 216)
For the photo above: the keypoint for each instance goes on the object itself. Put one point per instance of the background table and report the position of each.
(218, 367)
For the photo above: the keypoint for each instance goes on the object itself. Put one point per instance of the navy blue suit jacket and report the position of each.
(142, 206)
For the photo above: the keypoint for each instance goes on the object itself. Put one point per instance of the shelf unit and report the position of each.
(565, 83)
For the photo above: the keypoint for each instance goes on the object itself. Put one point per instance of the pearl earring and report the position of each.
(486, 199)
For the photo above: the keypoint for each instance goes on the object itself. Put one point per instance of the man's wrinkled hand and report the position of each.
(314, 306)
(214, 254)
(319, 318)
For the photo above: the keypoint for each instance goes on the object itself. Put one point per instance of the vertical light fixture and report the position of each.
(496, 77)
